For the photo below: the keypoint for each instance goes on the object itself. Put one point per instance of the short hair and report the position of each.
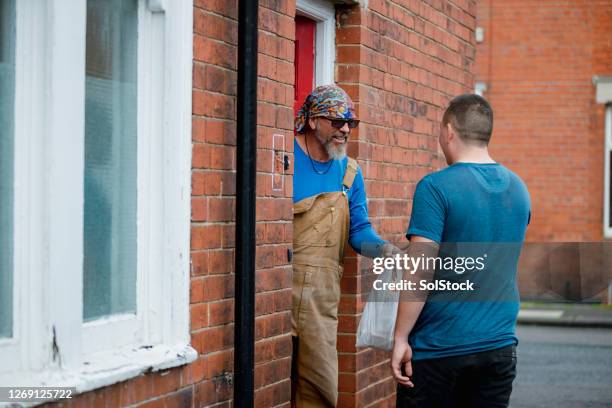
(471, 117)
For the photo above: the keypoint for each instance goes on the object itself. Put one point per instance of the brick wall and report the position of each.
(213, 190)
(213, 229)
(401, 61)
(538, 59)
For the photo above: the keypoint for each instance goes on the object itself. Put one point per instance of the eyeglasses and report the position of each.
(339, 123)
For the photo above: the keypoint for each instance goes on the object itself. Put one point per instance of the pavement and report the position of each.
(562, 367)
(566, 314)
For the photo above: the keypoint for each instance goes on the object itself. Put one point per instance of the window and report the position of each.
(7, 90)
(608, 174)
(100, 216)
(109, 270)
(603, 94)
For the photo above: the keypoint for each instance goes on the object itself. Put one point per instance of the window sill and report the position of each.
(104, 368)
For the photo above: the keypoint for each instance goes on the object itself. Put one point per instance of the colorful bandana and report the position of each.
(329, 101)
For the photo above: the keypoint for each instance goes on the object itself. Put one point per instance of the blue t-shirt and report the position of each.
(471, 203)
(306, 183)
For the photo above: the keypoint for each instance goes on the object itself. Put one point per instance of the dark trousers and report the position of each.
(472, 380)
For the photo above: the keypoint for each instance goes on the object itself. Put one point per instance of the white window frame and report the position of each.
(480, 88)
(608, 176)
(323, 13)
(51, 345)
(603, 94)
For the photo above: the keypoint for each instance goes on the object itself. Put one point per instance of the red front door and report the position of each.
(304, 59)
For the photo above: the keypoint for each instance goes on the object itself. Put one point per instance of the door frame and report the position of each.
(323, 12)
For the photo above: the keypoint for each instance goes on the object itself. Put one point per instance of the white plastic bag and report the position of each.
(378, 318)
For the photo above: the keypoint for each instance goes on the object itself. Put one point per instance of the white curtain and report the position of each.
(7, 114)
(109, 281)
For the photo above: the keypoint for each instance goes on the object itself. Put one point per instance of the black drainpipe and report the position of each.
(246, 150)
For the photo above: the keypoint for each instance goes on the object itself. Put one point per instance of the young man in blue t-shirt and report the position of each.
(459, 350)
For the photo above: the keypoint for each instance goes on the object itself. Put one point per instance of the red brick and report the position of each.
(272, 349)
(220, 363)
(203, 237)
(180, 399)
(273, 395)
(199, 315)
(273, 279)
(566, 156)
(215, 26)
(217, 287)
(166, 381)
(157, 403)
(214, 52)
(196, 291)
(221, 261)
(221, 312)
(199, 263)
(401, 62)
(213, 104)
(272, 372)
(223, 7)
(217, 338)
(272, 325)
(273, 22)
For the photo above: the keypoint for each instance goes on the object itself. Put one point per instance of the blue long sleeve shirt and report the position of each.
(306, 183)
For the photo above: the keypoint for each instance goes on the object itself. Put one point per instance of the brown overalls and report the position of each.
(320, 233)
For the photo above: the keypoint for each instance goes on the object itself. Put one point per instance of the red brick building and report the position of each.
(546, 67)
(400, 60)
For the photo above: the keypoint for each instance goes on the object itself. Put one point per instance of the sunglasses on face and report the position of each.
(339, 123)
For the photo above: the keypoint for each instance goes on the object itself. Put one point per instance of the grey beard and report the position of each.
(334, 153)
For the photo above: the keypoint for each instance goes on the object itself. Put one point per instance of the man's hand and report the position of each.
(402, 356)
(408, 311)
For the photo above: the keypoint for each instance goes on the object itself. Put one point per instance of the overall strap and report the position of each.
(349, 175)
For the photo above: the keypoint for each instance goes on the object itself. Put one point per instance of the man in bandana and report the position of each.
(329, 210)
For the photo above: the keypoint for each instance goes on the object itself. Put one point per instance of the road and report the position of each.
(563, 367)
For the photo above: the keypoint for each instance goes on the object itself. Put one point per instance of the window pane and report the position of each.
(7, 98)
(109, 281)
